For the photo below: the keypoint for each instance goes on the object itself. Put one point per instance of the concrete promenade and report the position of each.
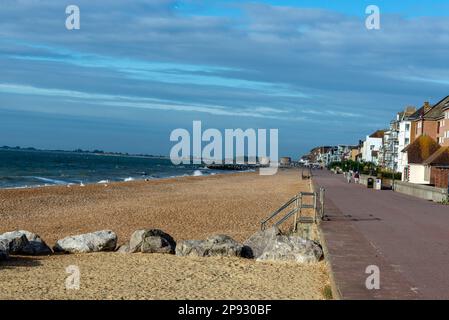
(406, 237)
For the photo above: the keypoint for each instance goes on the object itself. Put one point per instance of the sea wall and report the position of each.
(421, 191)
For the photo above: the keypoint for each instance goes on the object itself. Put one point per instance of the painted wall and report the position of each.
(369, 145)
(419, 174)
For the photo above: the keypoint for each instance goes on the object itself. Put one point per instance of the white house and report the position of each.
(404, 137)
(417, 170)
(372, 146)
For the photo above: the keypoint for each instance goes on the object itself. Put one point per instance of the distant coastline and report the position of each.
(90, 152)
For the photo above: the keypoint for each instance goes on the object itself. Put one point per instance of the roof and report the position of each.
(417, 114)
(437, 110)
(440, 157)
(409, 110)
(421, 149)
(378, 134)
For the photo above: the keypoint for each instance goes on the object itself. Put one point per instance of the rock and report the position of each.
(193, 248)
(135, 243)
(33, 246)
(219, 245)
(222, 245)
(256, 244)
(4, 250)
(104, 240)
(151, 241)
(291, 248)
(123, 249)
(15, 241)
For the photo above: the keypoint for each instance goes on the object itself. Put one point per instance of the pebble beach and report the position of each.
(185, 207)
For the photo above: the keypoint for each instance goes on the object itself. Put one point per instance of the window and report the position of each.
(419, 125)
(407, 127)
(446, 115)
(407, 141)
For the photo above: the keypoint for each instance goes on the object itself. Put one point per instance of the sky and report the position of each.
(137, 70)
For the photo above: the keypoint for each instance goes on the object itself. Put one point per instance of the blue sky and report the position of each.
(137, 70)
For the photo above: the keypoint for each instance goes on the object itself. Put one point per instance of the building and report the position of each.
(439, 168)
(429, 120)
(388, 156)
(420, 150)
(285, 161)
(443, 122)
(372, 146)
(355, 152)
(420, 125)
(404, 136)
(318, 155)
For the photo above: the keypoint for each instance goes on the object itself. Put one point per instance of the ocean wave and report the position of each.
(197, 173)
(49, 180)
(103, 181)
(129, 179)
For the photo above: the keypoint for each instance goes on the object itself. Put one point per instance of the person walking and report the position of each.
(356, 177)
(348, 177)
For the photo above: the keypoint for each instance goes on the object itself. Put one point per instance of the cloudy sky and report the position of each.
(136, 70)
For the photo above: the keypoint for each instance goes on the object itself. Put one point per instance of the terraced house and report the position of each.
(443, 124)
(428, 154)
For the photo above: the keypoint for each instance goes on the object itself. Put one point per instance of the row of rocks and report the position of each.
(22, 242)
(266, 245)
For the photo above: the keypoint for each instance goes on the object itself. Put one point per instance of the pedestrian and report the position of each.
(348, 177)
(356, 177)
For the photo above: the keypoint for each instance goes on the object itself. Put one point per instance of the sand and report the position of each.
(186, 208)
(157, 276)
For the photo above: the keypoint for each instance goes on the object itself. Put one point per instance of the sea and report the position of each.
(33, 168)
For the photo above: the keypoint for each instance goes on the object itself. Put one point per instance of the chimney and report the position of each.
(427, 106)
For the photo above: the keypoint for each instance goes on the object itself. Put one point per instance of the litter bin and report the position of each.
(378, 184)
(370, 183)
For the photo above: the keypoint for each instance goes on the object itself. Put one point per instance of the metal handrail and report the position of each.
(275, 213)
(288, 215)
(318, 213)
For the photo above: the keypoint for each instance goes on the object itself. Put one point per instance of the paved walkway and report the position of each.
(406, 237)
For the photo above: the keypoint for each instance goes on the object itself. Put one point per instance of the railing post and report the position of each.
(296, 212)
(322, 190)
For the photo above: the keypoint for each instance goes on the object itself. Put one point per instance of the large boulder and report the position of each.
(291, 248)
(151, 241)
(256, 244)
(105, 240)
(4, 250)
(219, 245)
(15, 241)
(34, 245)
